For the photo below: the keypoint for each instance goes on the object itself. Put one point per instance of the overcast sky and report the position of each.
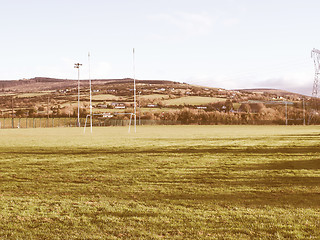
(227, 43)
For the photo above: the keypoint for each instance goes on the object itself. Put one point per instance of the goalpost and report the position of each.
(134, 114)
(100, 114)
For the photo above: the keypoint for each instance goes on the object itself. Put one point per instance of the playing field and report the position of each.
(163, 182)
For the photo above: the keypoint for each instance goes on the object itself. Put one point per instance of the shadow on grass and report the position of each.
(198, 185)
(251, 199)
(313, 164)
(164, 150)
(126, 214)
(274, 191)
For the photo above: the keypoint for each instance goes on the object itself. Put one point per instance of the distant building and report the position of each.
(152, 105)
(102, 106)
(107, 115)
(118, 105)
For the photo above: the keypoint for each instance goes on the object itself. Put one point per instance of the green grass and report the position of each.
(192, 100)
(106, 97)
(154, 96)
(30, 95)
(164, 182)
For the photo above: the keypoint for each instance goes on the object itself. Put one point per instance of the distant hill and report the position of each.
(277, 92)
(39, 84)
(45, 84)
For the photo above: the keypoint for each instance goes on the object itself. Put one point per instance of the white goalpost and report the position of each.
(134, 93)
(90, 93)
(134, 114)
(100, 114)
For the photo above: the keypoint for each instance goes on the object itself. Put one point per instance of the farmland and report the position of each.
(163, 182)
(194, 100)
(157, 100)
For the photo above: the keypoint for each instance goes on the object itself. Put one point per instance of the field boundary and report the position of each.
(72, 122)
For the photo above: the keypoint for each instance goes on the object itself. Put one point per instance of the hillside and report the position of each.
(48, 84)
(161, 100)
(39, 84)
(277, 92)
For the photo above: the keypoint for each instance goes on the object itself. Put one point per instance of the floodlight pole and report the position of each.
(90, 94)
(77, 65)
(134, 94)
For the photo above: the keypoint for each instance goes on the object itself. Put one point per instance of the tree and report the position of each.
(229, 105)
(20, 113)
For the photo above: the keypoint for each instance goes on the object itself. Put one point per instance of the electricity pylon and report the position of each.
(315, 54)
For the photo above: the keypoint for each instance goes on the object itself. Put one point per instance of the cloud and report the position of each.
(294, 84)
(188, 23)
(230, 22)
(102, 70)
(299, 82)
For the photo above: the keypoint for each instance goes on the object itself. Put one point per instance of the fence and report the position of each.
(72, 122)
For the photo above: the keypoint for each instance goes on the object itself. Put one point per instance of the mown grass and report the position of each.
(164, 182)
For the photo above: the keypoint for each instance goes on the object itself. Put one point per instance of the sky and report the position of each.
(228, 44)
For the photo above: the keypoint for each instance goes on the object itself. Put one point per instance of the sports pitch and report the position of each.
(163, 182)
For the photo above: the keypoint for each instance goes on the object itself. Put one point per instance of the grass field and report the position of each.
(30, 95)
(192, 100)
(164, 182)
(106, 97)
(154, 96)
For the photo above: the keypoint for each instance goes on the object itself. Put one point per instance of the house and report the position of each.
(102, 106)
(118, 105)
(152, 105)
(107, 115)
(161, 89)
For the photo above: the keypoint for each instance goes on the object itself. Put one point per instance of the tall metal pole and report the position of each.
(77, 65)
(134, 94)
(48, 113)
(286, 113)
(139, 109)
(90, 93)
(304, 112)
(12, 113)
(69, 113)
